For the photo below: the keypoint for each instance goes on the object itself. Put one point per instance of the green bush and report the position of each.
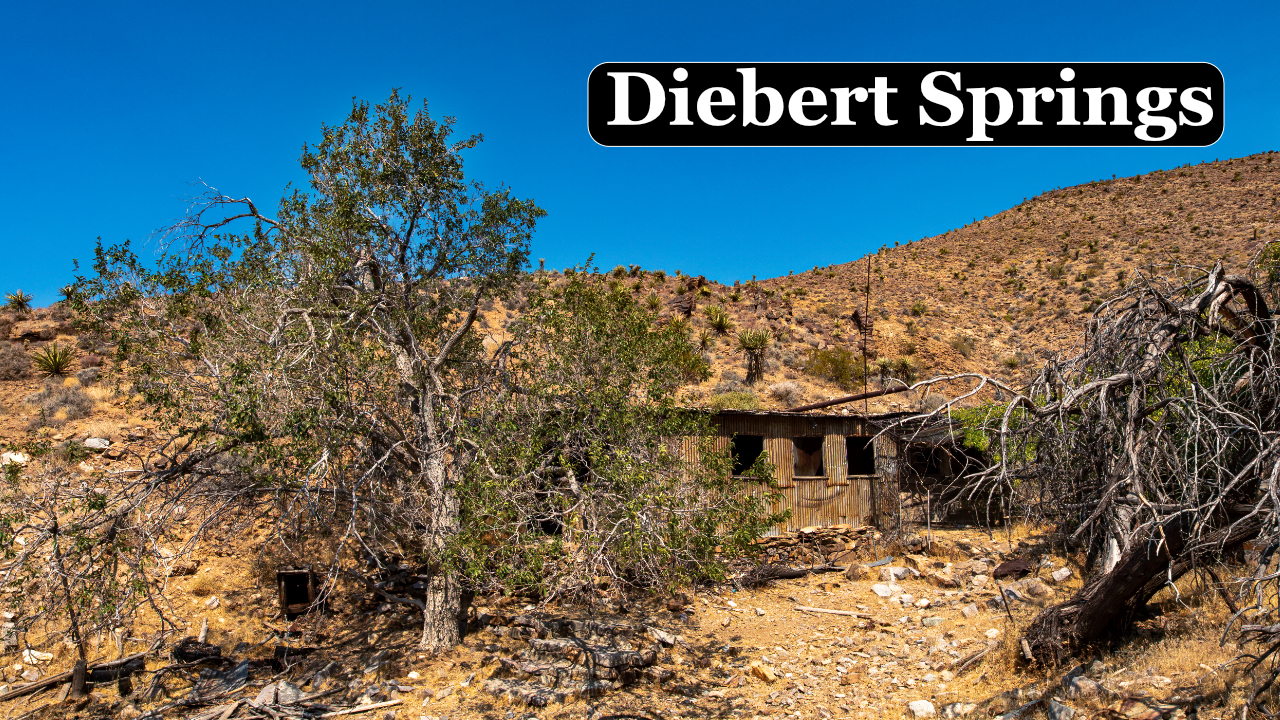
(963, 344)
(918, 308)
(836, 365)
(734, 401)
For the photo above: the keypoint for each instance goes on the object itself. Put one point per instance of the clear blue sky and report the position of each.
(112, 111)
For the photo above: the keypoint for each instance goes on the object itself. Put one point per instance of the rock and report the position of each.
(957, 710)
(970, 610)
(16, 458)
(921, 708)
(923, 603)
(1058, 711)
(662, 636)
(30, 674)
(947, 676)
(759, 611)
(979, 581)
(881, 590)
(212, 603)
(279, 693)
(891, 573)
(993, 633)
(763, 672)
(442, 693)
(941, 579)
(1060, 575)
(857, 571)
(1081, 687)
(97, 444)
(1012, 569)
(1032, 587)
(1137, 710)
(32, 657)
(931, 621)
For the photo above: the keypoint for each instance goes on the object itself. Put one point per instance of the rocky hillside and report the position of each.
(983, 297)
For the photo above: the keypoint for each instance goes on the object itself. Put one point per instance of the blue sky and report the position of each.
(112, 113)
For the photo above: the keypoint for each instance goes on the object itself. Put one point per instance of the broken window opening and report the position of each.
(808, 457)
(860, 454)
(745, 449)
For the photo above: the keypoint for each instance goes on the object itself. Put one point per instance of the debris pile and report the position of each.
(570, 659)
(834, 545)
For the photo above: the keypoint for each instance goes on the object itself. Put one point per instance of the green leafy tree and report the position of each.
(329, 358)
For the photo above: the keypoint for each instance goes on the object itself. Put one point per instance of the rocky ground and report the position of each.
(923, 634)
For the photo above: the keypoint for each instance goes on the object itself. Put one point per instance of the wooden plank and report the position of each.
(362, 708)
(850, 613)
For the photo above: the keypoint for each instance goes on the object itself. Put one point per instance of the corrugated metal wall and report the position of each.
(834, 499)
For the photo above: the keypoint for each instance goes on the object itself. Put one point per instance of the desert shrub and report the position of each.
(653, 302)
(660, 276)
(89, 375)
(91, 360)
(787, 392)
(903, 369)
(14, 364)
(56, 403)
(835, 364)
(963, 344)
(619, 271)
(918, 308)
(736, 295)
(706, 340)
(718, 319)
(52, 360)
(734, 401)
(1057, 270)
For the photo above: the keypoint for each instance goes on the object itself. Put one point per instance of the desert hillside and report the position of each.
(984, 297)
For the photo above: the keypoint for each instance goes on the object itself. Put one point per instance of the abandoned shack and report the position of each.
(830, 468)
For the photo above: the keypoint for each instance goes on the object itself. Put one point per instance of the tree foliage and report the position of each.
(329, 364)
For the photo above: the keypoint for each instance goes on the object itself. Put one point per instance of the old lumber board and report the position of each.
(828, 611)
(64, 676)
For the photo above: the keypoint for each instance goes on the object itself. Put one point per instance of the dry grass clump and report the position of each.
(14, 363)
(57, 403)
(788, 392)
(202, 585)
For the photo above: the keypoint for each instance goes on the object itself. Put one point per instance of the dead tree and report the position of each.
(1155, 449)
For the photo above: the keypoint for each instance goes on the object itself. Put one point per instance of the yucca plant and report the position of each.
(68, 292)
(705, 340)
(18, 302)
(753, 344)
(653, 302)
(718, 319)
(52, 360)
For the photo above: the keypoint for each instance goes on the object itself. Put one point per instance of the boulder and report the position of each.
(957, 710)
(891, 573)
(920, 709)
(763, 672)
(881, 590)
(1060, 575)
(1058, 711)
(1081, 687)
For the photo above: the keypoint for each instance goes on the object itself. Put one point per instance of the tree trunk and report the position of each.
(1112, 598)
(441, 627)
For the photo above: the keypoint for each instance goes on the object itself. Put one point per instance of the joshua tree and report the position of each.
(753, 344)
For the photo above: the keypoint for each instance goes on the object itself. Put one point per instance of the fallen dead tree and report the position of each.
(1156, 450)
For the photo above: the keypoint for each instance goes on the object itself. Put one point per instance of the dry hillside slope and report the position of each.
(988, 296)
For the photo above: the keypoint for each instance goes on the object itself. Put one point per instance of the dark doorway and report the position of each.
(808, 452)
(745, 450)
(861, 455)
